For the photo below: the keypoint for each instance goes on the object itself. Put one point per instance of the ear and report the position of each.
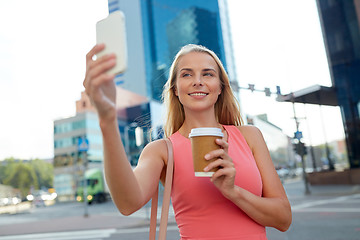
(176, 92)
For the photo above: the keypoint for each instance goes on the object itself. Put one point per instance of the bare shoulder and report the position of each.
(156, 150)
(251, 134)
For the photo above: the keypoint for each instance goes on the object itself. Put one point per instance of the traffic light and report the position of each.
(252, 87)
(267, 92)
(300, 148)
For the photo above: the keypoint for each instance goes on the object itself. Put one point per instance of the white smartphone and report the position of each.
(111, 31)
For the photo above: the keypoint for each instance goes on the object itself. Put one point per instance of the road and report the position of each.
(328, 213)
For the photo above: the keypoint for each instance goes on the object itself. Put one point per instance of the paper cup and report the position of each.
(203, 142)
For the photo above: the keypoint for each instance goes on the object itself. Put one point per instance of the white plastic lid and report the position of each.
(195, 132)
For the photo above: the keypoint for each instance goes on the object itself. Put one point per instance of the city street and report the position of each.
(329, 212)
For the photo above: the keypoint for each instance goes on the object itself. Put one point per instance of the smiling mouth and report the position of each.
(198, 94)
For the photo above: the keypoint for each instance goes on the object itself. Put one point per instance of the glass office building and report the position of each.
(340, 21)
(156, 30)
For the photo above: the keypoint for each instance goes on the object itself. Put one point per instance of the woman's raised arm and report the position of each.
(129, 189)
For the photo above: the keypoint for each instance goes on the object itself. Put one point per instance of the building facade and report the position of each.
(278, 143)
(69, 163)
(340, 21)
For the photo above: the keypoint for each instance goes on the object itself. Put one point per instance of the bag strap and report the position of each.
(166, 199)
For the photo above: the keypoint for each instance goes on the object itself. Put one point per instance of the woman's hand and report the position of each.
(99, 85)
(224, 177)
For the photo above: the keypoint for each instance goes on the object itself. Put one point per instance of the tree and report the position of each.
(44, 172)
(5, 168)
(34, 174)
(21, 176)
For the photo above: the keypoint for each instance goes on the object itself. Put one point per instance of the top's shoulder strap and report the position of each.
(166, 199)
(167, 191)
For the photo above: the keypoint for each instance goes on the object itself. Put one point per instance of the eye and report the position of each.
(209, 74)
(185, 75)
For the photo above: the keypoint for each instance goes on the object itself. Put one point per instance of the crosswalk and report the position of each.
(348, 203)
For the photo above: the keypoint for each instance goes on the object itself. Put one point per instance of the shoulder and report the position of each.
(157, 149)
(252, 135)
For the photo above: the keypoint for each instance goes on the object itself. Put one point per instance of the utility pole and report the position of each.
(86, 210)
(301, 150)
(83, 146)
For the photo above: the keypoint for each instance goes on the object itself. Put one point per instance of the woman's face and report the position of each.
(197, 81)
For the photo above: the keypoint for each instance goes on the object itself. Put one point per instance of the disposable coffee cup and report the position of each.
(203, 142)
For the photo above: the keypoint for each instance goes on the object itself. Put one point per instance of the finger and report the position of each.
(219, 163)
(218, 153)
(97, 48)
(101, 60)
(223, 172)
(212, 165)
(101, 80)
(222, 143)
(98, 69)
(93, 68)
(98, 81)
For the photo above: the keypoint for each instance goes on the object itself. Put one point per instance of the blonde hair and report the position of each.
(227, 109)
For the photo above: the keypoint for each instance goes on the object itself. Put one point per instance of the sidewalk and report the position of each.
(321, 190)
(334, 190)
(76, 223)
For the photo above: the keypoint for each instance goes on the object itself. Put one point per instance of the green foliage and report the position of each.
(44, 172)
(6, 166)
(22, 176)
(26, 175)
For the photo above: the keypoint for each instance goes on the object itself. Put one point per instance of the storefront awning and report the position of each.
(319, 95)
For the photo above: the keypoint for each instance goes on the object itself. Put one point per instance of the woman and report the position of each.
(240, 199)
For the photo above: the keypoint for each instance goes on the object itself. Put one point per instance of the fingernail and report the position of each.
(206, 169)
(207, 156)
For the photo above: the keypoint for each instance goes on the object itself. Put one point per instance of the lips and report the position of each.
(198, 94)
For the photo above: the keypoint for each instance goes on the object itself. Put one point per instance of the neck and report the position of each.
(197, 120)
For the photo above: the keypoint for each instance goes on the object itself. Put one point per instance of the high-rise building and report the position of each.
(341, 30)
(157, 29)
(340, 23)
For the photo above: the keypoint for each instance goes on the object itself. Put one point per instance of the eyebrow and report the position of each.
(203, 70)
(209, 69)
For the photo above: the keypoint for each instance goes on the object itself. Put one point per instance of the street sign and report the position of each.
(83, 144)
(298, 135)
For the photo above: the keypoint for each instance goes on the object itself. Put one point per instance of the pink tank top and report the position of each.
(201, 211)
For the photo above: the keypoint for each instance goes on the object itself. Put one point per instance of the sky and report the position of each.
(42, 65)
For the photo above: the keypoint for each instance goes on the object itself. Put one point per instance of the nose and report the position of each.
(197, 81)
